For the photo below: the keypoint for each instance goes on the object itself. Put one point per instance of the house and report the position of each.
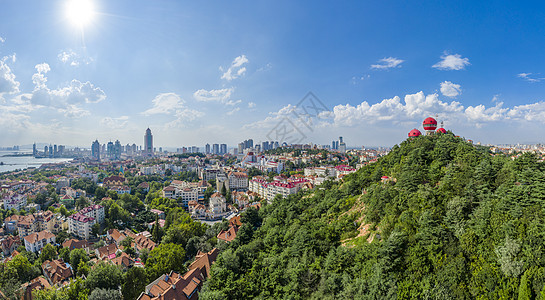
(115, 236)
(57, 271)
(125, 189)
(203, 261)
(10, 244)
(108, 251)
(176, 286)
(159, 213)
(36, 284)
(123, 260)
(160, 221)
(80, 225)
(169, 192)
(36, 241)
(143, 242)
(72, 244)
(228, 235)
(144, 186)
(112, 181)
(218, 204)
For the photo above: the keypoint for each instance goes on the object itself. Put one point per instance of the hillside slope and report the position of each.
(454, 222)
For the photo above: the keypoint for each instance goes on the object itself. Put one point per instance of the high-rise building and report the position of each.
(207, 149)
(95, 150)
(240, 147)
(223, 149)
(110, 150)
(265, 146)
(117, 150)
(34, 150)
(148, 143)
(60, 150)
(333, 145)
(215, 148)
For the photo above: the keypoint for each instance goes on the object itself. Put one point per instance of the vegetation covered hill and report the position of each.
(454, 222)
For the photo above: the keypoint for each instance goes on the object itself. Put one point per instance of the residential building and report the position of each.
(10, 244)
(95, 211)
(218, 204)
(80, 225)
(238, 181)
(57, 271)
(14, 201)
(176, 286)
(36, 241)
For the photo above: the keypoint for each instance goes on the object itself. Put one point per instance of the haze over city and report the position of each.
(198, 73)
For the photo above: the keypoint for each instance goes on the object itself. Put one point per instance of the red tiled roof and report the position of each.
(228, 235)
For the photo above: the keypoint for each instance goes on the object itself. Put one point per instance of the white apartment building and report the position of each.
(37, 240)
(218, 204)
(238, 181)
(80, 225)
(94, 211)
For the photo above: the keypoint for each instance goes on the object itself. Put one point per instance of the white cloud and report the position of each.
(251, 104)
(8, 83)
(68, 99)
(72, 58)
(450, 89)
(172, 104)
(2, 39)
(236, 69)
(528, 77)
(452, 62)
(387, 63)
(166, 103)
(233, 111)
(115, 123)
(69, 57)
(221, 95)
(233, 102)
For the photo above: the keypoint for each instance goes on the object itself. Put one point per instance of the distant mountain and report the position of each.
(437, 218)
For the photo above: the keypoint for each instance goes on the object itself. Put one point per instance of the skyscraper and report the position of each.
(148, 143)
(95, 150)
(117, 150)
(207, 149)
(110, 150)
(215, 148)
(223, 149)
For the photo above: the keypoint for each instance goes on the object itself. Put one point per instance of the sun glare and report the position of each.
(79, 12)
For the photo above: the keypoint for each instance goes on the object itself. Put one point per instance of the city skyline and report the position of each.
(198, 73)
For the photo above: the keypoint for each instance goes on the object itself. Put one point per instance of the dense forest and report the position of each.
(451, 221)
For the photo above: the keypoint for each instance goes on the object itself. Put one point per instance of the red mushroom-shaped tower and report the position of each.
(441, 130)
(429, 125)
(414, 133)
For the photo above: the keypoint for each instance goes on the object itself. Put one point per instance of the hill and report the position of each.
(453, 221)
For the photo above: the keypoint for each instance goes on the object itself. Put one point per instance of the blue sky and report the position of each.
(221, 72)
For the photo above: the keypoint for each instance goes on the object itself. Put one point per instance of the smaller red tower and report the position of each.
(441, 130)
(414, 133)
(429, 125)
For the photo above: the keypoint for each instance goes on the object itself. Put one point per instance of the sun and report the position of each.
(79, 12)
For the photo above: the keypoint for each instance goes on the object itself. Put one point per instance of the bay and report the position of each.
(22, 162)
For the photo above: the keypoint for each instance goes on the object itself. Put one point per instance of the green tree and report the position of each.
(134, 283)
(165, 258)
(106, 294)
(48, 253)
(77, 256)
(104, 276)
